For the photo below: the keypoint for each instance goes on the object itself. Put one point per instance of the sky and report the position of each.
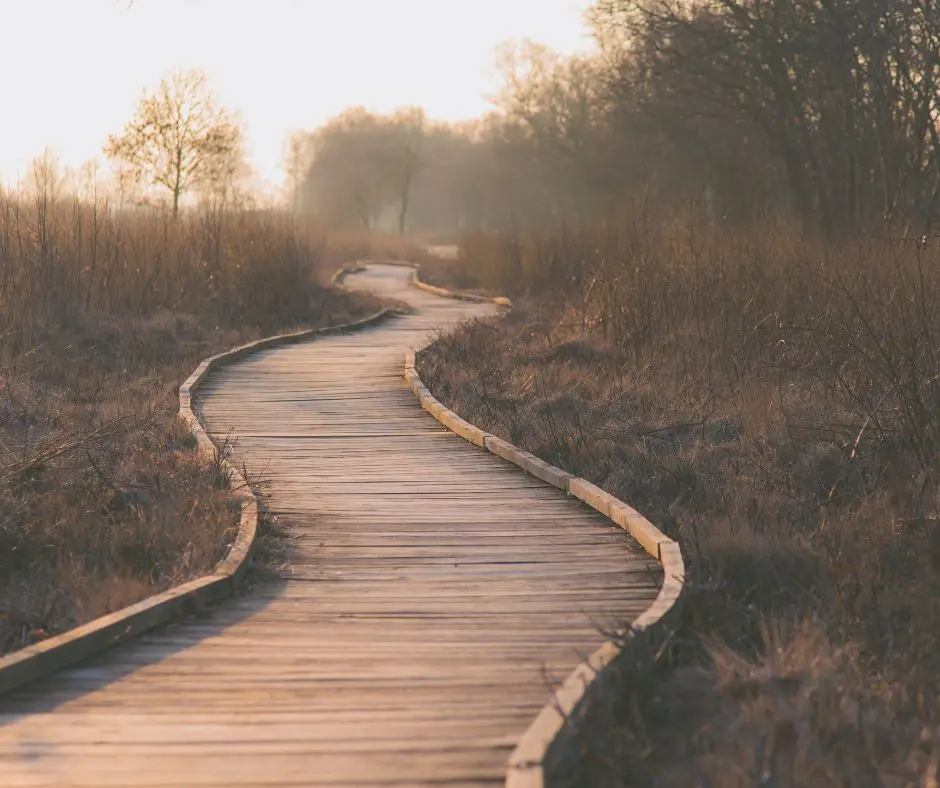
(74, 70)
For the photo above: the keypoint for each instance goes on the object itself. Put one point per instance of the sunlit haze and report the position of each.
(74, 69)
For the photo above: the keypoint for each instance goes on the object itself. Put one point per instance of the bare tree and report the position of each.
(180, 138)
(554, 103)
(297, 157)
(407, 133)
(363, 165)
(346, 181)
(843, 95)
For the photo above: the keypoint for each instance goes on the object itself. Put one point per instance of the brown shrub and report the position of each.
(772, 401)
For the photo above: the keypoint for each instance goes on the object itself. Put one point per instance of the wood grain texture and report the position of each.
(433, 593)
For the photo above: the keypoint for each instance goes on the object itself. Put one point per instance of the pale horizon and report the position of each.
(76, 68)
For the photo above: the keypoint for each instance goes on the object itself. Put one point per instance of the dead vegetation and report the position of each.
(103, 313)
(773, 402)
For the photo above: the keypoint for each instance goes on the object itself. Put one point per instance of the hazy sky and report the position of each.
(73, 70)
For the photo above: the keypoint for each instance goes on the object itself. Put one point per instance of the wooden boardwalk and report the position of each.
(433, 590)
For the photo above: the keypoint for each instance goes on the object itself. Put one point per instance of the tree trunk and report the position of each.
(177, 186)
(402, 213)
(405, 192)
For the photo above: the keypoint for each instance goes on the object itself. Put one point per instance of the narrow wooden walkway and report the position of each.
(433, 591)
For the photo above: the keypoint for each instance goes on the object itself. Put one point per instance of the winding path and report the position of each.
(432, 591)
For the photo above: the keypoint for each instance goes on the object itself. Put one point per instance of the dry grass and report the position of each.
(774, 403)
(102, 314)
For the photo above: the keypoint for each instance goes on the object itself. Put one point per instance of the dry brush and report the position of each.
(773, 402)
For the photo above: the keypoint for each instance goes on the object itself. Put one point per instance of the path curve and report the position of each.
(433, 589)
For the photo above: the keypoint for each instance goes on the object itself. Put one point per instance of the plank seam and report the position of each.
(32, 662)
(543, 745)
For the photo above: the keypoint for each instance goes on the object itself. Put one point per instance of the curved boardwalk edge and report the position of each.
(417, 282)
(48, 656)
(548, 743)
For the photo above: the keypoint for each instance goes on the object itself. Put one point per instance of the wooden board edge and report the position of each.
(529, 463)
(445, 293)
(33, 662)
(421, 285)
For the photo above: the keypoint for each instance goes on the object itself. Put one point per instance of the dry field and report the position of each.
(103, 313)
(772, 401)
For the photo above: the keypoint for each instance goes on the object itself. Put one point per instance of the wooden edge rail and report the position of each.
(38, 660)
(545, 749)
(416, 281)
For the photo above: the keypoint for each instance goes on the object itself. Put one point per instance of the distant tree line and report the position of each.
(827, 109)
